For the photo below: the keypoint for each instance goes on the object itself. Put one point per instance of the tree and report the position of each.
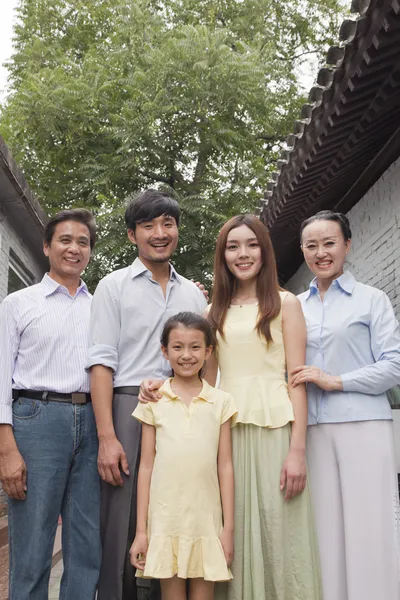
(195, 96)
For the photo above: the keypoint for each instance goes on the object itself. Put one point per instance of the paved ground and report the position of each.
(55, 579)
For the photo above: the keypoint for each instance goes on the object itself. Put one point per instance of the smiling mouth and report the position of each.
(244, 265)
(159, 244)
(73, 261)
(324, 264)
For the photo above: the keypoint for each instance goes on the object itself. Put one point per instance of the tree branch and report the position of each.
(271, 138)
(155, 177)
(296, 56)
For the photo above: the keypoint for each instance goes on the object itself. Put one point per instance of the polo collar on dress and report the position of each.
(346, 282)
(205, 394)
(137, 268)
(50, 286)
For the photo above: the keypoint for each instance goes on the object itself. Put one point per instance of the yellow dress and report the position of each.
(252, 371)
(185, 513)
(276, 555)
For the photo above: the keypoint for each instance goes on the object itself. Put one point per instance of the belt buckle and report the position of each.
(78, 398)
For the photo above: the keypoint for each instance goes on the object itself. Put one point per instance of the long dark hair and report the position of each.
(269, 302)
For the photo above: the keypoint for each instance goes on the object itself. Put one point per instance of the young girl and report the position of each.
(185, 471)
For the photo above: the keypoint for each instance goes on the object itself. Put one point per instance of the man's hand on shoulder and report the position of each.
(12, 465)
(111, 456)
(149, 390)
(202, 289)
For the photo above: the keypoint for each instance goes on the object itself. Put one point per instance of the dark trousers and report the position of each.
(118, 514)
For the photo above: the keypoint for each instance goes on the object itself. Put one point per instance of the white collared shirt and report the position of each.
(43, 341)
(128, 314)
(354, 333)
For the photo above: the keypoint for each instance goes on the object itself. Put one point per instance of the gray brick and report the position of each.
(375, 255)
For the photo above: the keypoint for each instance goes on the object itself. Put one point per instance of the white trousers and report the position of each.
(355, 496)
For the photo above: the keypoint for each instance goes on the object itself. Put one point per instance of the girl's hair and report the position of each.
(329, 215)
(192, 321)
(269, 302)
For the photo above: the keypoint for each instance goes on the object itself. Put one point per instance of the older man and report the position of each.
(48, 442)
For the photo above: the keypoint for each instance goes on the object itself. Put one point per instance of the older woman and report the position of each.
(353, 358)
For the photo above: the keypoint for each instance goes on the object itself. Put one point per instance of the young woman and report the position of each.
(261, 333)
(185, 484)
(353, 357)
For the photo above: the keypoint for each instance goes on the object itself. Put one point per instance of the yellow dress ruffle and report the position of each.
(185, 557)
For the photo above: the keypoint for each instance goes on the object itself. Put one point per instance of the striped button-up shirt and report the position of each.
(43, 341)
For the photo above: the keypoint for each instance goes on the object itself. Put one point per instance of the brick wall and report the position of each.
(9, 239)
(375, 224)
(375, 255)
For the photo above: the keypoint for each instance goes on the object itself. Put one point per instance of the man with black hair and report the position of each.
(129, 309)
(48, 441)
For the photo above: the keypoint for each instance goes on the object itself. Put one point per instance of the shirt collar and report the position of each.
(138, 268)
(50, 286)
(345, 282)
(205, 394)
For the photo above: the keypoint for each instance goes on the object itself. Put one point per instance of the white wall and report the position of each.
(10, 239)
(375, 255)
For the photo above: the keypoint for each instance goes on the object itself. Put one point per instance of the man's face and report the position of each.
(69, 250)
(156, 240)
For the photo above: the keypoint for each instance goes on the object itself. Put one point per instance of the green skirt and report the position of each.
(276, 555)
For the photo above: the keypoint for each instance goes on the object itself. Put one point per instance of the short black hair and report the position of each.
(329, 215)
(80, 215)
(149, 205)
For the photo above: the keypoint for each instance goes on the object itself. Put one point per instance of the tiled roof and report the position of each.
(19, 205)
(348, 133)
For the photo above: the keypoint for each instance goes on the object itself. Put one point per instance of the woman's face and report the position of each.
(324, 249)
(243, 253)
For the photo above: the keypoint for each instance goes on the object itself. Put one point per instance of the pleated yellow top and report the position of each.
(253, 371)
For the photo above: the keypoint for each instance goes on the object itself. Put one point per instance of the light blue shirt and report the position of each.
(128, 314)
(353, 333)
(43, 341)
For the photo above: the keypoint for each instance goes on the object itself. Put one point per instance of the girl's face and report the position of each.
(243, 253)
(325, 249)
(186, 351)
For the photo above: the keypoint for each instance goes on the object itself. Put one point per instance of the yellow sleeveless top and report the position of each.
(253, 371)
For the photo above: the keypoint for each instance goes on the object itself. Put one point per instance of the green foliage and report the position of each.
(111, 96)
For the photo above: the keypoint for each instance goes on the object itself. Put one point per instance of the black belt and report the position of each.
(131, 390)
(74, 398)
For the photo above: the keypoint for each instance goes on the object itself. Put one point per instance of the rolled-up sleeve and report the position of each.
(9, 344)
(385, 346)
(105, 327)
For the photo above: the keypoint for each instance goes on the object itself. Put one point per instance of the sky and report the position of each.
(6, 23)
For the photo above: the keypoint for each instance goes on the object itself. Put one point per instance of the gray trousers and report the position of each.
(118, 514)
